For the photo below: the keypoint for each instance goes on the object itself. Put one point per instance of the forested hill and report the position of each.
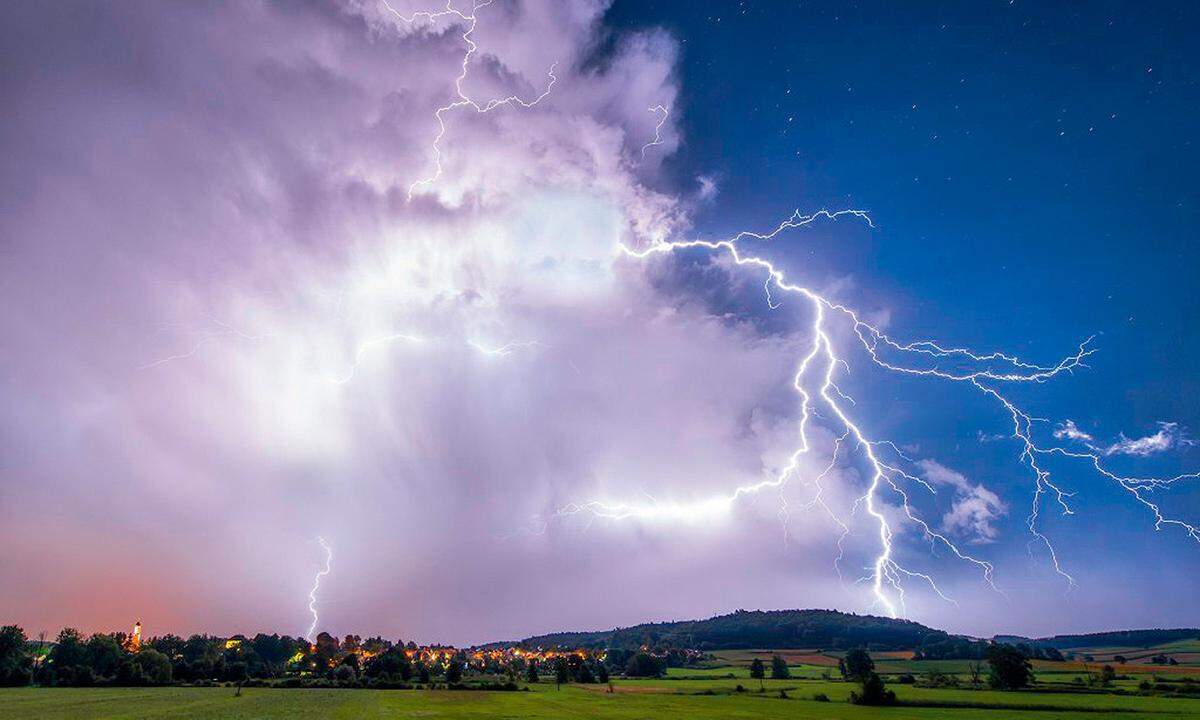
(758, 629)
(1120, 638)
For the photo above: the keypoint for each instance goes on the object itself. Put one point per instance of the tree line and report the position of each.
(74, 659)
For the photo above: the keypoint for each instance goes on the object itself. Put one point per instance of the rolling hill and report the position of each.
(757, 629)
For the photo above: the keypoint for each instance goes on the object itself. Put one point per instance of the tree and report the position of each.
(423, 673)
(326, 653)
(643, 665)
(104, 654)
(1121, 659)
(874, 692)
(156, 667)
(16, 667)
(1010, 668)
(976, 670)
(1107, 675)
(758, 671)
(345, 674)
(602, 673)
(68, 650)
(779, 668)
(237, 671)
(857, 665)
(390, 663)
(454, 672)
(560, 672)
(585, 674)
(531, 672)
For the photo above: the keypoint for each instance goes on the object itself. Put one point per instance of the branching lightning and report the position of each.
(312, 594)
(469, 22)
(886, 499)
(815, 384)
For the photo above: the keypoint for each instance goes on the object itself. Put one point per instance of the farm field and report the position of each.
(720, 687)
(683, 694)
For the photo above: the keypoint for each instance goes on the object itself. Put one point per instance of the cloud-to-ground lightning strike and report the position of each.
(463, 100)
(312, 594)
(815, 382)
(986, 372)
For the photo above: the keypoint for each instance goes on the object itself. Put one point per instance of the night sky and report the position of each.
(251, 297)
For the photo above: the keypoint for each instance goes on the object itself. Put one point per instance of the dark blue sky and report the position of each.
(1031, 171)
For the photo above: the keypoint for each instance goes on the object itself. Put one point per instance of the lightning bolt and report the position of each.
(469, 22)
(814, 383)
(666, 113)
(205, 337)
(312, 594)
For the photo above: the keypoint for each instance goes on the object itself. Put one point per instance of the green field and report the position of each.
(667, 698)
(719, 688)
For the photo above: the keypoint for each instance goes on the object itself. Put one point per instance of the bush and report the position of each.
(873, 692)
(644, 665)
(820, 697)
(345, 674)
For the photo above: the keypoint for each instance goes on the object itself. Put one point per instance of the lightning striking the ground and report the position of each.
(886, 499)
(815, 384)
(312, 594)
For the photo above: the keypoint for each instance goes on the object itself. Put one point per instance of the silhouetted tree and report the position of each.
(156, 667)
(857, 665)
(560, 672)
(1107, 675)
(104, 654)
(758, 671)
(454, 671)
(325, 655)
(779, 668)
(1010, 668)
(16, 667)
(644, 665)
(531, 673)
(976, 671)
(68, 651)
(874, 692)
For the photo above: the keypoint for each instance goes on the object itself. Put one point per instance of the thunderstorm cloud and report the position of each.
(274, 271)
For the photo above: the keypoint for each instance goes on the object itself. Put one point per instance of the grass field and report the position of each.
(709, 691)
(633, 699)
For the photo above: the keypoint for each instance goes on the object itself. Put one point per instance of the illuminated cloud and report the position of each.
(1169, 436)
(974, 509)
(1070, 431)
(256, 337)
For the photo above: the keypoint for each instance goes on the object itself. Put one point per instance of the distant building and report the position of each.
(134, 642)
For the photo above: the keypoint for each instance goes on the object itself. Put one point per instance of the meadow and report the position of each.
(704, 692)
